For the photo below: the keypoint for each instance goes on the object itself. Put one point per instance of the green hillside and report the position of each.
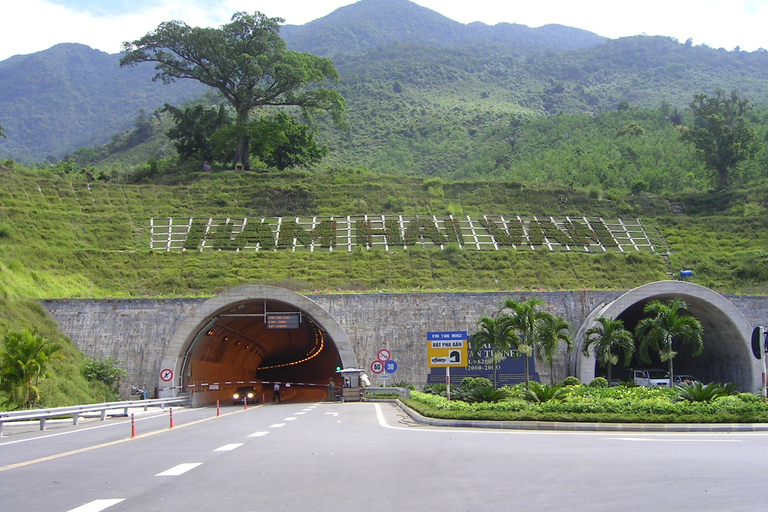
(63, 238)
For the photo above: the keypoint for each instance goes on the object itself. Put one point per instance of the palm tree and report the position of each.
(24, 358)
(668, 325)
(525, 318)
(552, 331)
(496, 335)
(607, 339)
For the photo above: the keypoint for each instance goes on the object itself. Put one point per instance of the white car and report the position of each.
(649, 377)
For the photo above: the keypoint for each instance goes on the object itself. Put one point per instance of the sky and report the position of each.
(29, 26)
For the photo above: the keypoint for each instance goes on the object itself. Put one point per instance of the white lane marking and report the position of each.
(336, 414)
(180, 469)
(96, 505)
(299, 413)
(114, 422)
(679, 436)
(228, 447)
(277, 425)
(289, 418)
(644, 439)
(258, 434)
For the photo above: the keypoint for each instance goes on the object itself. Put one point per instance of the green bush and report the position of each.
(599, 382)
(571, 380)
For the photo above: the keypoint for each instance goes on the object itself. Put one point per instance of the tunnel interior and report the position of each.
(259, 340)
(725, 357)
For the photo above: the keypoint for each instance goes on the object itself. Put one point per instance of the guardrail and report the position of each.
(401, 392)
(76, 410)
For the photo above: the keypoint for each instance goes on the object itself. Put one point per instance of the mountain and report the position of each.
(414, 81)
(366, 24)
(71, 95)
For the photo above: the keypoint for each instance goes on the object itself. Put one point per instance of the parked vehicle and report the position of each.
(649, 377)
(685, 379)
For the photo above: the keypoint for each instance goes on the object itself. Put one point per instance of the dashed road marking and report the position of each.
(258, 434)
(228, 447)
(277, 425)
(179, 469)
(97, 505)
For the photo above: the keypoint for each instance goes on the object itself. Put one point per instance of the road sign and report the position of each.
(384, 355)
(390, 366)
(447, 349)
(447, 335)
(166, 375)
(377, 367)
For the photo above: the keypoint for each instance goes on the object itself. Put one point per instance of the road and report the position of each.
(368, 457)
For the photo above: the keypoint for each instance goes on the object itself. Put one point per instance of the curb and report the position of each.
(566, 426)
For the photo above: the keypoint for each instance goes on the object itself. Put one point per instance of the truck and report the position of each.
(650, 377)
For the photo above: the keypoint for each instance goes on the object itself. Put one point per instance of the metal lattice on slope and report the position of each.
(398, 232)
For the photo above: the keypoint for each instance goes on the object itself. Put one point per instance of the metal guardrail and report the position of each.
(401, 392)
(76, 410)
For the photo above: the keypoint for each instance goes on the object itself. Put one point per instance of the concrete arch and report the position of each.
(727, 355)
(199, 318)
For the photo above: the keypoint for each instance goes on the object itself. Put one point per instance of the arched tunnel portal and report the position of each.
(727, 355)
(250, 335)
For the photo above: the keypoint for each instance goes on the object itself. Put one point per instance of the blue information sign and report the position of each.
(447, 335)
(390, 366)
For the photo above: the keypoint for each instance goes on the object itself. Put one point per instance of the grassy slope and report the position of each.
(72, 239)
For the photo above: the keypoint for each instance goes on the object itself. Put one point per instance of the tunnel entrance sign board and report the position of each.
(283, 320)
(445, 349)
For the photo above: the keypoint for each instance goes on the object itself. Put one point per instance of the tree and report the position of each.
(607, 340)
(247, 62)
(668, 325)
(526, 319)
(24, 358)
(2, 132)
(721, 134)
(194, 130)
(494, 334)
(552, 330)
(282, 142)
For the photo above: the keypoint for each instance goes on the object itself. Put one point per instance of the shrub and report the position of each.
(599, 382)
(542, 393)
(5, 231)
(571, 380)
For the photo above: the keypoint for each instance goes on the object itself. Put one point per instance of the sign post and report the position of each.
(446, 349)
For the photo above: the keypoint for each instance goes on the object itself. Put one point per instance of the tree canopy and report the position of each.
(247, 62)
(668, 324)
(721, 134)
(606, 339)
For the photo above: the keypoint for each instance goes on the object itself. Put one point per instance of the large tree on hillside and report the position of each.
(245, 60)
(721, 134)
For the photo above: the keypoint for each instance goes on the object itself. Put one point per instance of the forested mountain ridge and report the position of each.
(356, 28)
(404, 70)
(71, 95)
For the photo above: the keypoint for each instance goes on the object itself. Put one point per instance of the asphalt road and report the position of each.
(368, 457)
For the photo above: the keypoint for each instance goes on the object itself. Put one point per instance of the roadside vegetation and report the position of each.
(595, 403)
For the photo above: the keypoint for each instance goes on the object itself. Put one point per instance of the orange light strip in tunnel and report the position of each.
(319, 340)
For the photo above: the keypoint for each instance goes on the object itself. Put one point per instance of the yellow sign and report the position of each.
(442, 353)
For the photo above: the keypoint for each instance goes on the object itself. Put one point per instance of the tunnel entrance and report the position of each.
(256, 336)
(726, 357)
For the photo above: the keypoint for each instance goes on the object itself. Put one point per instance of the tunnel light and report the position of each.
(247, 347)
(210, 333)
(237, 343)
(226, 338)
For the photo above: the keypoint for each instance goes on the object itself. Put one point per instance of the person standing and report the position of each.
(331, 391)
(276, 396)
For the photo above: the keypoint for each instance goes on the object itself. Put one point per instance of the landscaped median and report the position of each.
(582, 403)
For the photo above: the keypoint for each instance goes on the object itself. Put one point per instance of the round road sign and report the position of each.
(384, 355)
(390, 366)
(377, 367)
(166, 375)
